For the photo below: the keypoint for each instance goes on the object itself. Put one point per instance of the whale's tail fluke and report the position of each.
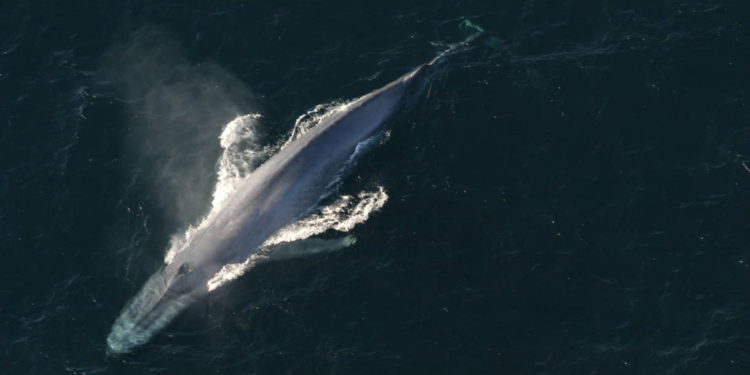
(479, 35)
(429, 73)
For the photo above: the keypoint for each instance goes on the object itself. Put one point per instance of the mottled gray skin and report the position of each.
(281, 190)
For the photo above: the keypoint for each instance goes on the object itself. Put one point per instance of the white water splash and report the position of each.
(242, 153)
(343, 215)
(314, 117)
(232, 271)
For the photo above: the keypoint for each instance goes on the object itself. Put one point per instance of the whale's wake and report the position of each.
(242, 153)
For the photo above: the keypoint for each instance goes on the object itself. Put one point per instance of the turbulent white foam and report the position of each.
(232, 271)
(241, 155)
(242, 152)
(343, 215)
(313, 117)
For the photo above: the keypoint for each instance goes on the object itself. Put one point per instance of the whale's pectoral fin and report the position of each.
(307, 247)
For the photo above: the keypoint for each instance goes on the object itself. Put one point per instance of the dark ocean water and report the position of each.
(574, 202)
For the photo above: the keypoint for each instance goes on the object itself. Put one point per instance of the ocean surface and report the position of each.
(572, 197)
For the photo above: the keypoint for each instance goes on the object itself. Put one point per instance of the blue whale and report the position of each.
(277, 193)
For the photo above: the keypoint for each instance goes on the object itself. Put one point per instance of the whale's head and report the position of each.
(169, 291)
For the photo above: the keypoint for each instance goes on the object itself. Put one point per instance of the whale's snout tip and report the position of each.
(145, 315)
(112, 350)
(118, 342)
